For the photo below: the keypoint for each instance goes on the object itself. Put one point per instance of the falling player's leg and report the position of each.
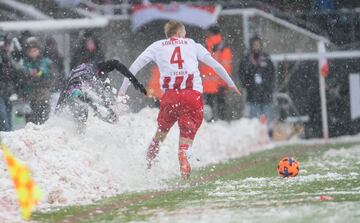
(79, 110)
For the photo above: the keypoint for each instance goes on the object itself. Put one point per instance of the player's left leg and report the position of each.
(166, 119)
(154, 146)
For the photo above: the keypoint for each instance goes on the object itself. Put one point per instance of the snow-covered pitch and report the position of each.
(109, 159)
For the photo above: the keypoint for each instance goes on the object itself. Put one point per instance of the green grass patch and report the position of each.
(234, 186)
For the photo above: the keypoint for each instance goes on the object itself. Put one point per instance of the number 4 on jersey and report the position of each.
(176, 58)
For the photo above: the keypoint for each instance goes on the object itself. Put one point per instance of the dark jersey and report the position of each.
(93, 77)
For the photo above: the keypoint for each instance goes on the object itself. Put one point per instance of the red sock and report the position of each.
(185, 148)
(185, 167)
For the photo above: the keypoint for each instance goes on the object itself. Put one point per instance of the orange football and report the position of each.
(288, 167)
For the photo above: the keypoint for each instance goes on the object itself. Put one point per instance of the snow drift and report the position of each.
(110, 158)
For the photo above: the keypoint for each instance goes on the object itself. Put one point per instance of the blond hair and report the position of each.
(172, 27)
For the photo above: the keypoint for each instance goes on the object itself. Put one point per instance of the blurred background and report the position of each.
(271, 48)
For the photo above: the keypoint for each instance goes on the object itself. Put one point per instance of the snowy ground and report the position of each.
(322, 213)
(110, 159)
(273, 199)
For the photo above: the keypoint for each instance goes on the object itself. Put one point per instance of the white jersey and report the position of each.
(177, 59)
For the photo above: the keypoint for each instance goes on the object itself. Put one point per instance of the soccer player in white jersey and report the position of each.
(177, 58)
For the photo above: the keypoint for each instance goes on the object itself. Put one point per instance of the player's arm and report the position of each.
(205, 57)
(144, 58)
(110, 65)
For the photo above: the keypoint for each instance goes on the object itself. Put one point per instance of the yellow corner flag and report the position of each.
(28, 194)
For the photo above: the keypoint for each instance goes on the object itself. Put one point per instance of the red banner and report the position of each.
(202, 16)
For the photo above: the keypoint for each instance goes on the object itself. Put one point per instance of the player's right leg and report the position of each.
(190, 119)
(184, 155)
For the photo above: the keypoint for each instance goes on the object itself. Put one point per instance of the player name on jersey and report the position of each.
(178, 73)
(174, 41)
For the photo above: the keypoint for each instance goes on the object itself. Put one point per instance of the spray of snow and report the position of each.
(110, 158)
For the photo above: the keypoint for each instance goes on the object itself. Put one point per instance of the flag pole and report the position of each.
(324, 116)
